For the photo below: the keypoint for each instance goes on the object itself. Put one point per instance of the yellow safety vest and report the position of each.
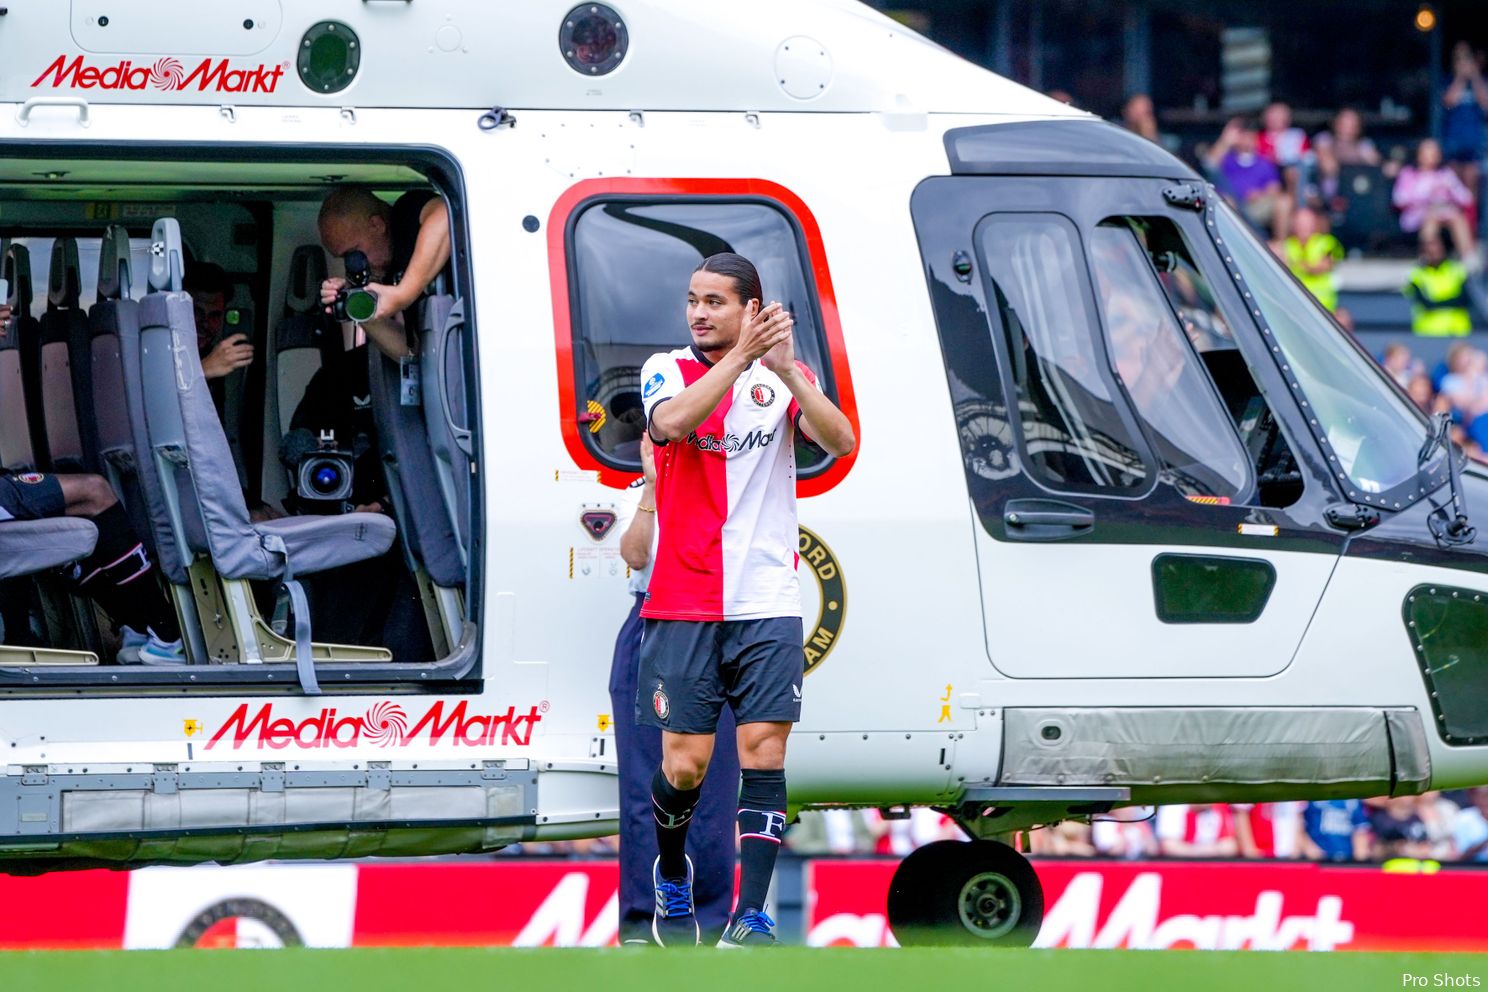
(1436, 283)
(1323, 285)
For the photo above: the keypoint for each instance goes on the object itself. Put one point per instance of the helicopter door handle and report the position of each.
(1046, 520)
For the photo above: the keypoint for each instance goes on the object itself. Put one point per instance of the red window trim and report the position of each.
(578, 194)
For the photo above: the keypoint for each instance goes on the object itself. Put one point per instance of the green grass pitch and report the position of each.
(616, 970)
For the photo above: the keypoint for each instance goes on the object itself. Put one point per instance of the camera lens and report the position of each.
(361, 304)
(326, 479)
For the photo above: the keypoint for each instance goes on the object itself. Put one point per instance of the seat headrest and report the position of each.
(167, 261)
(114, 281)
(17, 271)
(307, 270)
(64, 277)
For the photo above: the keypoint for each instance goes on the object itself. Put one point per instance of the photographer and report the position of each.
(373, 602)
(406, 244)
(210, 290)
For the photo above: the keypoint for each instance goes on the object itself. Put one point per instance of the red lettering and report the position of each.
(59, 70)
(436, 728)
(316, 725)
(354, 723)
(279, 734)
(239, 719)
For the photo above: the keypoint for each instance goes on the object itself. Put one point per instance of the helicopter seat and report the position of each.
(66, 367)
(205, 504)
(30, 546)
(430, 547)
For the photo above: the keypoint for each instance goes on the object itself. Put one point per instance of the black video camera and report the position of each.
(323, 472)
(354, 302)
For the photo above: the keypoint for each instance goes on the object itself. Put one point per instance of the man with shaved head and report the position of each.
(407, 244)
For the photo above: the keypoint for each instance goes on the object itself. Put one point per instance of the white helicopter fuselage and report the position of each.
(949, 664)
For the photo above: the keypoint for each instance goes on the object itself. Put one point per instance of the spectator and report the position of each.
(1402, 365)
(1285, 145)
(1335, 830)
(1125, 838)
(1203, 830)
(1429, 196)
(1421, 394)
(1465, 386)
(1470, 827)
(1345, 144)
(1068, 839)
(1399, 831)
(1466, 102)
(1311, 253)
(1252, 180)
(1437, 290)
(1439, 814)
(1267, 830)
(1138, 117)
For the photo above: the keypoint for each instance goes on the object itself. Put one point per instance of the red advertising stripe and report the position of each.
(503, 903)
(67, 911)
(1250, 905)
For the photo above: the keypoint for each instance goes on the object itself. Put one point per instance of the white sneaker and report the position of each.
(133, 640)
(158, 652)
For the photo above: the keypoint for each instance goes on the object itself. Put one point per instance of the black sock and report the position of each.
(761, 824)
(121, 577)
(672, 809)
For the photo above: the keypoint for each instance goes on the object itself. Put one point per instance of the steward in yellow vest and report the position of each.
(1437, 289)
(1311, 254)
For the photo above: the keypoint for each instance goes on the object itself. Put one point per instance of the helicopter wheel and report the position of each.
(957, 893)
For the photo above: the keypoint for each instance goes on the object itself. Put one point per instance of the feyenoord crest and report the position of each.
(762, 394)
(30, 478)
(661, 704)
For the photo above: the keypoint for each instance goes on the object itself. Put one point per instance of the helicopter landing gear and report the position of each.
(955, 893)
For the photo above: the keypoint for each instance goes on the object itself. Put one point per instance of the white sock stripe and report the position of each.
(142, 571)
(137, 549)
(769, 837)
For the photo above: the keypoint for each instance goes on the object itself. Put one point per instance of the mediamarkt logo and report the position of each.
(383, 725)
(208, 75)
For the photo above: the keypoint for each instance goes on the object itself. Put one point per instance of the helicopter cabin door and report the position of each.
(1143, 502)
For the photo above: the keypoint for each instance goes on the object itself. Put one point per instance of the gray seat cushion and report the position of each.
(317, 543)
(28, 546)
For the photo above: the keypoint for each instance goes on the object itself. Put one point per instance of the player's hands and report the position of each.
(763, 329)
(781, 359)
(231, 353)
(648, 459)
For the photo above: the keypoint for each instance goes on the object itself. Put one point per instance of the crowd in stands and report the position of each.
(1432, 827)
(1296, 189)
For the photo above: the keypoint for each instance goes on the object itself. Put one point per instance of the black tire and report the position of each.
(971, 894)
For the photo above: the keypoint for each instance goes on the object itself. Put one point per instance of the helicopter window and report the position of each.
(630, 260)
(1278, 480)
(1161, 372)
(1370, 429)
(1075, 433)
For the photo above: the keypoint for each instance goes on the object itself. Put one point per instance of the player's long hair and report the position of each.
(738, 268)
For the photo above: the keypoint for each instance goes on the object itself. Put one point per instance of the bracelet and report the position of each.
(645, 509)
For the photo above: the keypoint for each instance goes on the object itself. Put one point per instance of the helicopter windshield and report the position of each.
(1373, 433)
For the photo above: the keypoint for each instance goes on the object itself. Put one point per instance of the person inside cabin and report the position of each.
(210, 290)
(119, 575)
(407, 245)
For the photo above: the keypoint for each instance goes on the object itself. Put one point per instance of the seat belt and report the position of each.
(304, 659)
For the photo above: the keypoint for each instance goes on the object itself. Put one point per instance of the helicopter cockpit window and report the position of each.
(1189, 429)
(1371, 429)
(1278, 482)
(1076, 436)
(630, 261)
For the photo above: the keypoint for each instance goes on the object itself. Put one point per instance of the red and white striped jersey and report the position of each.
(725, 498)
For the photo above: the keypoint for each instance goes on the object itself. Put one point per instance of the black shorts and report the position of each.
(31, 496)
(690, 668)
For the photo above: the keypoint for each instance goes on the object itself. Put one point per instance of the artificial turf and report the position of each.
(621, 970)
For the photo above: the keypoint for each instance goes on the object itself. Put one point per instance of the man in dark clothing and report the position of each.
(373, 602)
(407, 245)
